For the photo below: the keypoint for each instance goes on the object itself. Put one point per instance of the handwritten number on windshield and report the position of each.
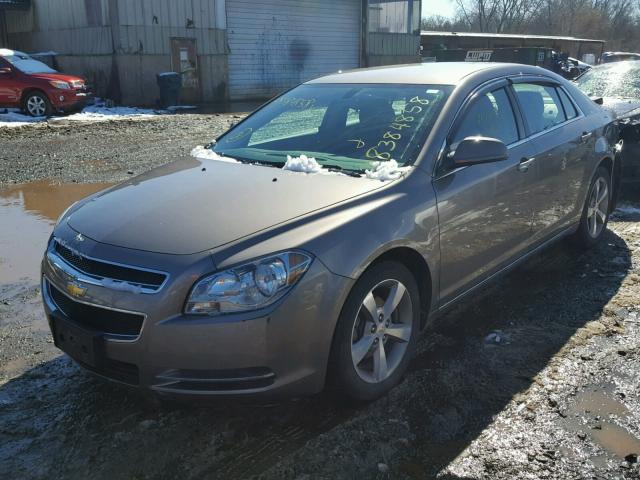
(382, 151)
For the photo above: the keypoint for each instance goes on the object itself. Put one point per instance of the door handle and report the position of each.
(525, 163)
(586, 136)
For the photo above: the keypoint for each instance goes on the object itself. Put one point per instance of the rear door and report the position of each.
(484, 210)
(557, 132)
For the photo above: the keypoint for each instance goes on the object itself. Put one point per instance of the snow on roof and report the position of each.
(429, 33)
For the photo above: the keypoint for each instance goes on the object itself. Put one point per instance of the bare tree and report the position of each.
(498, 16)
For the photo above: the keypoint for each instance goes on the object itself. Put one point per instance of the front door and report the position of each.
(484, 210)
(9, 85)
(184, 59)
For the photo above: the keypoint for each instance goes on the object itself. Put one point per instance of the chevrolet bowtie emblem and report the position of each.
(75, 290)
(79, 238)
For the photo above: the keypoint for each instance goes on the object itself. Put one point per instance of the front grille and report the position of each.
(97, 268)
(96, 318)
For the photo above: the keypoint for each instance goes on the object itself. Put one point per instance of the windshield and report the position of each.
(345, 126)
(620, 80)
(26, 64)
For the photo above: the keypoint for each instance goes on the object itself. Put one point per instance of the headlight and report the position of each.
(248, 287)
(60, 84)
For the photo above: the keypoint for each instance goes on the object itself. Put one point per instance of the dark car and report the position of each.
(618, 85)
(36, 88)
(610, 57)
(315, 239)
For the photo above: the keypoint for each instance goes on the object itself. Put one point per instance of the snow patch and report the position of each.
(173, 108)
(628, 210)
(101, 113)
(302, 164)
(388, 170)
(13, 118)
(50, 53)
(208, 154)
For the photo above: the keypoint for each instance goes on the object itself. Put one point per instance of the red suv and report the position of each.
(35, 87)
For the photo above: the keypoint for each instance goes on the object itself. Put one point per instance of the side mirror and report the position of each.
(598, 100)
(475, 150)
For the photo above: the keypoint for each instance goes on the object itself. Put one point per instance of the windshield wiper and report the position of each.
(347, 171)
(250, 161)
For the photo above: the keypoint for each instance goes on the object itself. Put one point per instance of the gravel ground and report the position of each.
(102, 151)
(537, 377)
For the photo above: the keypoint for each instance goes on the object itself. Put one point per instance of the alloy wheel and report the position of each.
(36, 106)
(381, 331)
(598, 207)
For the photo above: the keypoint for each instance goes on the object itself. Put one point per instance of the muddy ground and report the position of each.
(537, 377)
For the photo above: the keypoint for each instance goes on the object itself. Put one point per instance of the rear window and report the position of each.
(569, 109)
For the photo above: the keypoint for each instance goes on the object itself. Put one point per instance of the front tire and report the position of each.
(376, 333)
(595, 214)
(36, 104)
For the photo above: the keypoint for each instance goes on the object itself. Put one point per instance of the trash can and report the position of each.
(170, 84)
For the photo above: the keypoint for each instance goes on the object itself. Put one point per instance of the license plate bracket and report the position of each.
(80, 344)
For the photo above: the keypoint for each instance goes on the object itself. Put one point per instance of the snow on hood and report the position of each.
(302, 164)
(208, 154)
(389, 170)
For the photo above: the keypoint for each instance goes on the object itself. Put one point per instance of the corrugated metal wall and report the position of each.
(62, 26)
(275, 44)
(142, 37)
(146, 26)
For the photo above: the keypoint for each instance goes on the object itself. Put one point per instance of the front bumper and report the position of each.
(281, 350)
(69, 100)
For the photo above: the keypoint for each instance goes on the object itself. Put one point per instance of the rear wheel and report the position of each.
(37, 104)
(595, 215)
(376, 333)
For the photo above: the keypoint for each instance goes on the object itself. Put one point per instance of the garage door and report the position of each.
(276, 44)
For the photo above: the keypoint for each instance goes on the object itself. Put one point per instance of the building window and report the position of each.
(394, 16)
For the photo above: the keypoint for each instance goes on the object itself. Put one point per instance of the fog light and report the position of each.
(62, 98)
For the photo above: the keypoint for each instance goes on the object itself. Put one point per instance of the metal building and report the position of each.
(226, 49)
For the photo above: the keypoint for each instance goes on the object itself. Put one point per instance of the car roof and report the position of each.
(433, 73)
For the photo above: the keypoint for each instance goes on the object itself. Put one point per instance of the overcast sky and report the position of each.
(446, 8)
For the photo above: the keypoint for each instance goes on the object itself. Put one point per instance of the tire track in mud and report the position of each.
(268, 447)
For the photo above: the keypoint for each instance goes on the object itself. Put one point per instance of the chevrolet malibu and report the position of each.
(311, 243)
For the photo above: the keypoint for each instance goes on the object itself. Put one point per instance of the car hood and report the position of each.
(55, 76)
(621, 107)
(194, 205)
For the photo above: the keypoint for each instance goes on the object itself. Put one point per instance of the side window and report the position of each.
(541, 106)
(490, 115)
(569, 108)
